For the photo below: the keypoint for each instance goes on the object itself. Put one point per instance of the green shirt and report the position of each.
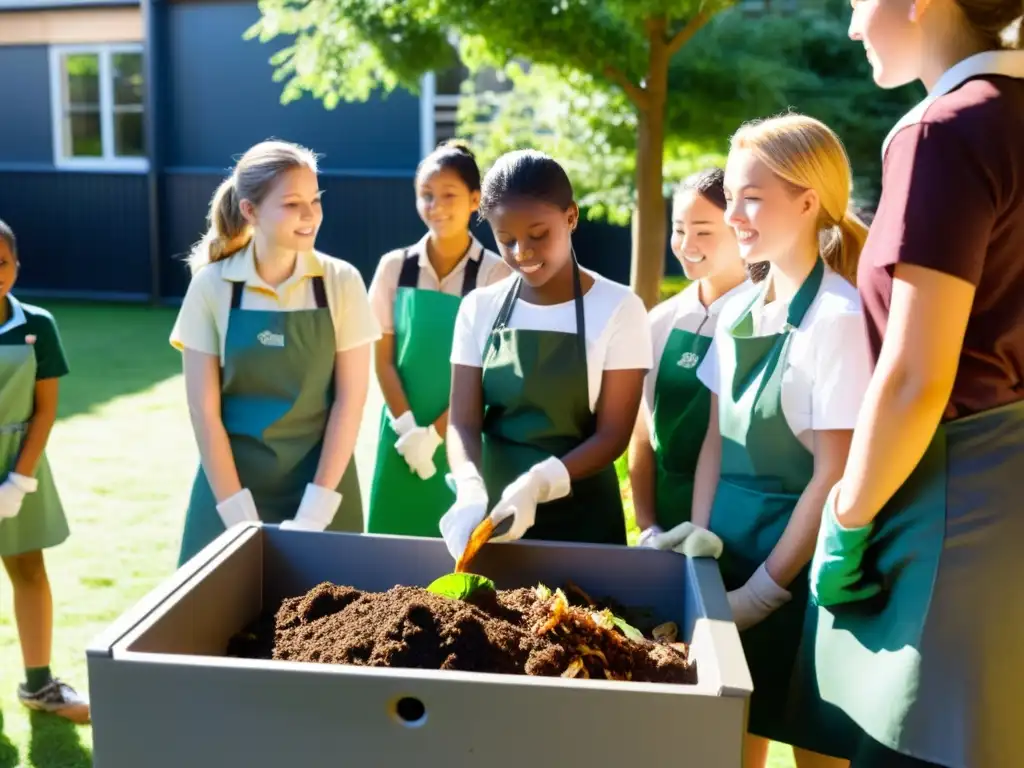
(26, 320)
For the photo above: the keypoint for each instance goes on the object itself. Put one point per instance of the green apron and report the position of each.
(537, 405)
(682, 407)
(765, 469)
(40, 523)
(931, 667)
(277, 390)
(401, 502)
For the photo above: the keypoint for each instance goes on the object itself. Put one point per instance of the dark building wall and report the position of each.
(26, 135)
(222, 99)
(79, 233)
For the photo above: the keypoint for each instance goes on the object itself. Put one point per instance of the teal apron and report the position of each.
(765, 470)
(932, 667)
(401, 502)
(277, 390)
(537, 405)
(41, 523)
(682, 407)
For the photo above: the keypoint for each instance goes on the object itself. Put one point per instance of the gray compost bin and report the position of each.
(165, 695)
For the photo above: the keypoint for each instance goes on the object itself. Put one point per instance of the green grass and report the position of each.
(123, 456)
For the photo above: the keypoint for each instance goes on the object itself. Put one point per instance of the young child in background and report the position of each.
(31, 516)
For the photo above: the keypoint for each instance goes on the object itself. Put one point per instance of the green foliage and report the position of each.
(346, 49)
(569, 103)
(736, 69)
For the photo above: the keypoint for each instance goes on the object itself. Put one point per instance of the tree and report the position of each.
(736, 70)
(347, 49)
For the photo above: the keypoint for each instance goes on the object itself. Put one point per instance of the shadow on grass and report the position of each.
(112, 350)
(56, 743)
(8, 752)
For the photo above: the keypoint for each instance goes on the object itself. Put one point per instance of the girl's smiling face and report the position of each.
(444, 202)
(701, 240)
(291, 214)
(534, 237)
(769, 215)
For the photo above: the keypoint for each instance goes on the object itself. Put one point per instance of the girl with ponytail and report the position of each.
(923, 530)
(788, 367)
(276, 342)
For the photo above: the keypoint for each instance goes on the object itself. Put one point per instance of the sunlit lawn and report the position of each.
(123, 455)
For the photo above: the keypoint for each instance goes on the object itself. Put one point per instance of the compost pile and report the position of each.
(522, 631)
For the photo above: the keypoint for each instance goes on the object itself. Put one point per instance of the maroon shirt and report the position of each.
(953, 201)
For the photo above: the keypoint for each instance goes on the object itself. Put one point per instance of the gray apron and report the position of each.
(277, 390)
(933, 667)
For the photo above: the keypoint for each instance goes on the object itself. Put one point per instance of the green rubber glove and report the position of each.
(836, 573)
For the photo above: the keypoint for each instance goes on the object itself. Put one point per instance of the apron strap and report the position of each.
(470, 275)
(501, 321)
(320, 292)
(805, 295)
(409, 277)
(237, 289)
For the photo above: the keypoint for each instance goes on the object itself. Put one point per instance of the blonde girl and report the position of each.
(276, 341)
(788, 369)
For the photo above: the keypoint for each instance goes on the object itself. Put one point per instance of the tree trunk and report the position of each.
(649, 219)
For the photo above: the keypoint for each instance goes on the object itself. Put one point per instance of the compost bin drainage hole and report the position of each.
(411, 712)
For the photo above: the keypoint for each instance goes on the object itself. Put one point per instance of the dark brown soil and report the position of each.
(509, 631)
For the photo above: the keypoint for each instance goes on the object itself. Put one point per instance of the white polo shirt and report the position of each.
(203, 318)
(618, 335)
(384, 286)
(828, 366)
(684, 312)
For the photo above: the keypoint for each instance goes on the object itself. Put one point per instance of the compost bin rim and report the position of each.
(703, 687)
(131, 621)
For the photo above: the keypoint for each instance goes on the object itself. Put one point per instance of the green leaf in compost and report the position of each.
(628, 630)
(459, 586)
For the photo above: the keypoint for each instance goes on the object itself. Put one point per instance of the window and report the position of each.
(96, 94)
(440, 95)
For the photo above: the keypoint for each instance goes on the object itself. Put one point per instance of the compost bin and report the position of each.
(165, 694)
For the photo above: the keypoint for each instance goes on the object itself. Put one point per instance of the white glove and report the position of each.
(12, 493)
(316, 510)
(416, 444)
(468, 511)
(647, 536)
(544, 482)
(757, 599)
(690, 540)
(239, 508)
(417, 447)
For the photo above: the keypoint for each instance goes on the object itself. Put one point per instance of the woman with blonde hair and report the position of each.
(917, 641)
(276, 341)
(787, 368)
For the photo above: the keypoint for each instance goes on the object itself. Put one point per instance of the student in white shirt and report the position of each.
(676, 405)
(789, 367)
(547, 373)
(276, 347)
(415, 294)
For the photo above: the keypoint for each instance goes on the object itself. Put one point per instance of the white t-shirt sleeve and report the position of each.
(196, 325)
(708, 370)
(383, 288)
(629, 338)
(842, 370)
(354, 321)
(465, 345)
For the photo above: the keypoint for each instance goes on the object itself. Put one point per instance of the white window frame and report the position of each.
(109, 161)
